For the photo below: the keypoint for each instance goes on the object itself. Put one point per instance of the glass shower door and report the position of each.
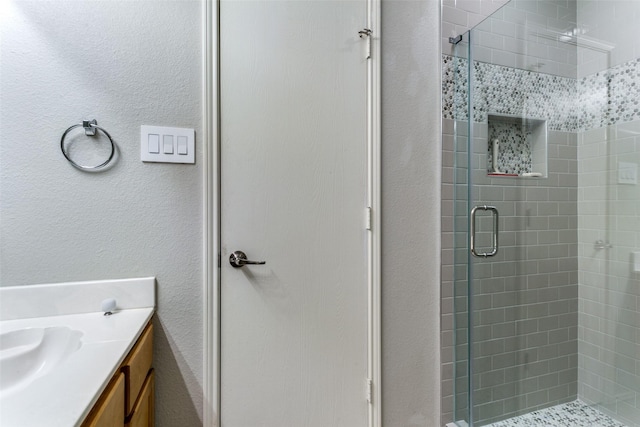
(516, 206)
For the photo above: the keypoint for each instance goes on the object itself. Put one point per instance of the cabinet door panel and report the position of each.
(137, 366)
(142, 415)
(109, 411)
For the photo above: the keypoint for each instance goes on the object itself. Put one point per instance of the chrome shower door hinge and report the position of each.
(455, 40)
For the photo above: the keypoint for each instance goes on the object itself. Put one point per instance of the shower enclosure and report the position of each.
(541, 217)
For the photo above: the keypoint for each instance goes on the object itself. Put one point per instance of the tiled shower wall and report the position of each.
(613, 24)
(605, 122)
(459, 16)
(518, 34)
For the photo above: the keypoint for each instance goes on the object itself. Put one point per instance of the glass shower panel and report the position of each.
(521, 175)
(608, 208)
(609, 304)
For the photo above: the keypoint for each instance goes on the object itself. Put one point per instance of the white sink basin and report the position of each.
(58, 351)
(30, 353)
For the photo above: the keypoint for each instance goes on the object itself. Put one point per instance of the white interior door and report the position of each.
(294, 186)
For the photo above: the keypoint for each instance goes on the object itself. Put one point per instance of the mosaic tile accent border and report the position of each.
(574, 414)
(569, 105)
(611, 96)
(454, 88)
(509, 91)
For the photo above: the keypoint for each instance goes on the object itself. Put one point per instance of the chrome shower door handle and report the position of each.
(239, 259)
(494, 212)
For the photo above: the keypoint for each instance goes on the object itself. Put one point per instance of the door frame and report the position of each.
(210, 141)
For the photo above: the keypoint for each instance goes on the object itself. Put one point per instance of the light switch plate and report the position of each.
(627, 173)
(153, 141)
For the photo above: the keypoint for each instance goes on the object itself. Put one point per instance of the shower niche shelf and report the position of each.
(516, 147)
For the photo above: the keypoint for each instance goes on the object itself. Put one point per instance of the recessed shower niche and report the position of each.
(517, 147)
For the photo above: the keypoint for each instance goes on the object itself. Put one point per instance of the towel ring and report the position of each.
(90, 128)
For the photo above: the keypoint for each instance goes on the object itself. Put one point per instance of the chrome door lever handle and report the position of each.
(239, 259)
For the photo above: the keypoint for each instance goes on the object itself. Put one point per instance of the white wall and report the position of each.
(411, 152)
(124, 64)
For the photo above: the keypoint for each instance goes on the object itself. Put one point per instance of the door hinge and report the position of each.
(369, 390)
(366, 32)
(368, 218)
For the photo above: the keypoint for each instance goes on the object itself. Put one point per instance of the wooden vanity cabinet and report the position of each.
(128, 400)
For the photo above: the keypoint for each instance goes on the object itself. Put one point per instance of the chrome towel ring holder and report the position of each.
(90, 129)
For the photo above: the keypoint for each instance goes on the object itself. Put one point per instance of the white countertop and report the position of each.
(63, 397)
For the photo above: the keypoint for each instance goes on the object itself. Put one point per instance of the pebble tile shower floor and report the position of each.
(573, 414)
